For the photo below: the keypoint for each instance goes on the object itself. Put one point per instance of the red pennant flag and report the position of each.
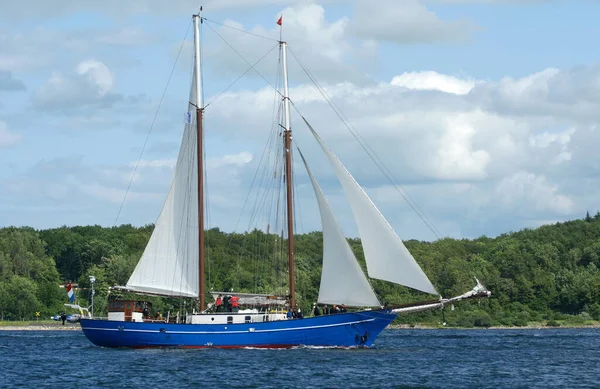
(280, 20)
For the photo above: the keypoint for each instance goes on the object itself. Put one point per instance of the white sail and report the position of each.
(386, 256)
(342, 279)
(169, 265)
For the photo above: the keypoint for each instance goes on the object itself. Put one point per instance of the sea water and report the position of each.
(415, 358)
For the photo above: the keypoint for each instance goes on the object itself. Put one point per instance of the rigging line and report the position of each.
(411, 203)
(240, 76)
(240, 30)
(242, 57)
(261, 197)
(378, 162)
(368, 149)
(262, 158)
(152, 124)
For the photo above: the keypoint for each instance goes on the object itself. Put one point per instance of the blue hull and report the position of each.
(353, 329)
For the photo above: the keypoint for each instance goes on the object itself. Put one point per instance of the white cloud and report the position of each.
(523, 190)
(323, 45)
(8, 138)
(90, 83)
(41, 47)
(407, 21)
(430, 80)
(572, 94)
(466, 156)
(239, 159)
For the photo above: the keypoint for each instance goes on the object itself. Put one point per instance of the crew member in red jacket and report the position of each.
(235, 303)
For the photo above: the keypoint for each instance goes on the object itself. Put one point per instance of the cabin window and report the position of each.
(116, 306)
(247, 319)
(229, 319)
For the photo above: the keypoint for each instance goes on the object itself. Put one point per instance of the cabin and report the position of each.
(128, 310)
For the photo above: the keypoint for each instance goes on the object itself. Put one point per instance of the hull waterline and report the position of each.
(354, 329)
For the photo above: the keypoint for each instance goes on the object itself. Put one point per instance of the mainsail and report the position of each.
(342, 279)
(386, 256)
(169, 265)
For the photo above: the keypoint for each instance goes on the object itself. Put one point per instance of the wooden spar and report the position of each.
(288, 178)
(200, 159)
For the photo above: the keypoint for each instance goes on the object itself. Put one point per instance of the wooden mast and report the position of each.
(288, 177)
(200, 159)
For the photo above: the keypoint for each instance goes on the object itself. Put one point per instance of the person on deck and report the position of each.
(219, 303)
(63, 317)
(316, 310)
(235, 305)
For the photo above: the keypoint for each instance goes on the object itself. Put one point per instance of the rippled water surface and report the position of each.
(545, 358)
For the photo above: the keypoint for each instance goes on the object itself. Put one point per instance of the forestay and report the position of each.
(169, 265)
(386, 256)
(342, 279)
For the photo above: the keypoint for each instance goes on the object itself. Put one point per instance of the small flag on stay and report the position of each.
(70, 293)
(280, 20)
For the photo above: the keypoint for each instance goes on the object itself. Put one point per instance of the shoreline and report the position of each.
(527, 327)
(41, 327)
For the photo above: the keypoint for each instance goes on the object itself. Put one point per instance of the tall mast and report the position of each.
(288, 176)
(200, 158)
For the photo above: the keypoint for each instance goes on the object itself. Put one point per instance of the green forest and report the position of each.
(549, 275)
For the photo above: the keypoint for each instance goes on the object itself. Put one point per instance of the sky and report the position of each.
(485, 111)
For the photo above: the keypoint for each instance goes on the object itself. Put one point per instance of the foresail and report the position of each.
(342, 279)
(386, 256)
(169, 264)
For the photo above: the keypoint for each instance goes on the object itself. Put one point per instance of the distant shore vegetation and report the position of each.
(548, 276)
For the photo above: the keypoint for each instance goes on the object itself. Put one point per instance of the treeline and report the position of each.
(549, 274)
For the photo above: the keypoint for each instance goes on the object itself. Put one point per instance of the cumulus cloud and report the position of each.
(100, 189)
(457, 152)
(524, 189)
(323, 45)
(572, 94)
(430, 80)
(40, 47)
(90, 84)
(411, 20)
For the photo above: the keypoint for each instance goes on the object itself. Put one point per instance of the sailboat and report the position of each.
(173, 264)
